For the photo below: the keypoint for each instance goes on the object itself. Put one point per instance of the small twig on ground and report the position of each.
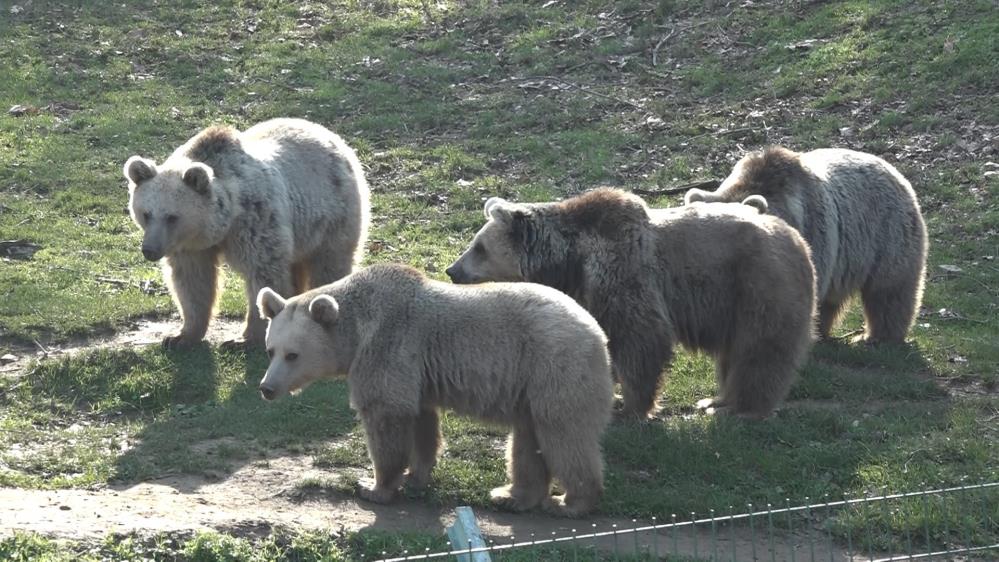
(45, 351)
(721, 133)
(655, 50)
(706, 184)
(954, 275)
(848, 335)
(582, 89)
(728, 132)
(111, 281)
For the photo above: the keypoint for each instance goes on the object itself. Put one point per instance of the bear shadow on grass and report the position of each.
(216, 423)
(851, 407)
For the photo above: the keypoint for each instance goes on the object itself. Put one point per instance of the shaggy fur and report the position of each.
(284, 203)
(862, 221)
(521, 355)
(719, 278)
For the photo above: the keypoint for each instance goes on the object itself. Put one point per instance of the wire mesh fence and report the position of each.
(943, 523)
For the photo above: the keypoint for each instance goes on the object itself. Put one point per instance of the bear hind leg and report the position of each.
(529, 476)
(329, 266)
(640, 373)
(426, 444)
(890, 311)
(758, 380)
(390, 442)
(723, 370)
(300, 278)
(830, 311)
(280, 280)
(574, 459)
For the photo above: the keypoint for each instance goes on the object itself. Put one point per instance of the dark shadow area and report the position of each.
(215, 421)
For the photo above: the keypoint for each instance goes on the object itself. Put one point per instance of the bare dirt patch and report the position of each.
(142, 333)
(254, 500)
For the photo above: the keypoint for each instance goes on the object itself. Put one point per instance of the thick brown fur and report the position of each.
(718, 278)
(521, 355)
(861, 220)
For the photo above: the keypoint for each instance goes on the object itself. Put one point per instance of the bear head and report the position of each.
(175, 205)
(298, 341)
(548, 243)
(494, 254)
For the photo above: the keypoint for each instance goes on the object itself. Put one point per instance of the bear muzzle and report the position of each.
(267, 392)
(151, 254)
(456, 275)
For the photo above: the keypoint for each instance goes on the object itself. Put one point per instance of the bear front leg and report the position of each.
(390, 441)
(426, 444)
(639, 367)
(193, 281)
(529, 475)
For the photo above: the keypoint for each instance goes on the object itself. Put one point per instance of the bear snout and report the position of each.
(151, 254)
(456, 275)
(267, 392)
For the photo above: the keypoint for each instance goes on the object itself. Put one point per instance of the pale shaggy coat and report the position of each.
(719, 278)
(520, 355)
(284, 203)
(862, 221)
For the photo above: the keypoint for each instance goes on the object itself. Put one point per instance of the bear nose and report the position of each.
(150, 254)
(267, 392)
(452, 272)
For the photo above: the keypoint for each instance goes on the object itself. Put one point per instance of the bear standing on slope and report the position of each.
(521, 355)
(862, 221)
(284, 203)
(720, 278)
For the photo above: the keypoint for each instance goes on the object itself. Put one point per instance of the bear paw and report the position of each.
(707, 403)
(179, 341)
(234, 345)
(370, 491)
(506, 498)
(417, 480)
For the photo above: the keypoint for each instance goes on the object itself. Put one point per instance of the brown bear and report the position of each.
(284, 203)
(720, 278)
(521, 355)
(862, 221)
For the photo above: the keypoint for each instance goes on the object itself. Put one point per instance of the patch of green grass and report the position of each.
(126, 415)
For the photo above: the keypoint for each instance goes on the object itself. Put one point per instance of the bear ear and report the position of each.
(500, 209)
(758, 201)
(269, 303)
(694, 195)
(491, 204)
(138, 169)
(324, 310)
(199, 178)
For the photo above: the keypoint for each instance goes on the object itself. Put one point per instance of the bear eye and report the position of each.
(270, 353)
(147, 216)
(171, 219)
(479, 248)
(291, 356)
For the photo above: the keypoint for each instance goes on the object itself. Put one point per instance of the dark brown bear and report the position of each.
(720, 278)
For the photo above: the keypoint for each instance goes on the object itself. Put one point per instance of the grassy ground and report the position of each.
(448, 103)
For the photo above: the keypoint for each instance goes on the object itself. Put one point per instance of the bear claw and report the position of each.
(179, 341)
